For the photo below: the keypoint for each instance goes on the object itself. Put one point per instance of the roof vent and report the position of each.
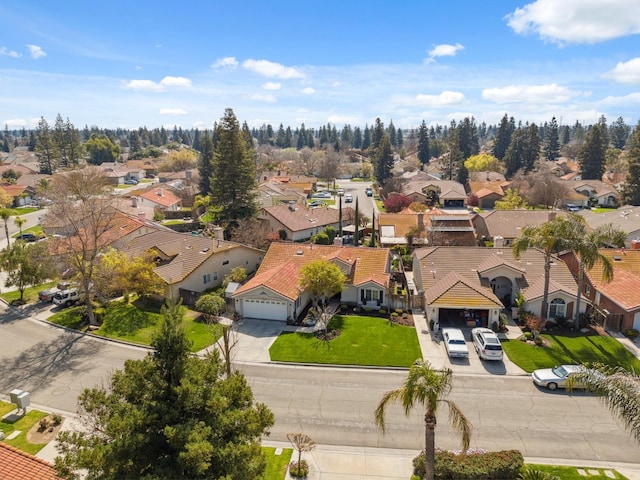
(617, 258)
(204, 250)
(299, 252)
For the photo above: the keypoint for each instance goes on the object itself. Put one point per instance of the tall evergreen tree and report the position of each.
(233, 183)
(196, 140)
(288, 138)
(565, 135)
(399, 138)
(423, 144)
(503, 136)
(513, 157)
(532, 151)
(46, 148)
(384, 159)
(391, 131)
(468, 137)
(619, 132)
(592, 154)
(376, 135)
(455, 159)
(366, 138)
(357, 138)
(631, 193)
(552, 141)
(205, 163)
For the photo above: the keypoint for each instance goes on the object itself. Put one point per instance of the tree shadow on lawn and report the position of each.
(127, 320)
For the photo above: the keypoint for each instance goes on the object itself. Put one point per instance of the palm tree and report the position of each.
(19, 222)
(550, 237)
(5, 213)
(427, 386)
(619, 390)
(586, 247)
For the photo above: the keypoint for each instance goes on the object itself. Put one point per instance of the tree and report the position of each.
(619, 132)
(254, 232)
(552, 141)
(5, 214)
(395, 203)
(483, 162)
(511, 201)
(101, 149)
(83, 204)
(423, 144)
(169, 415)
(19, 221)
(383, 159)
(302, 443)
(322, 279)
(212, 306)
(550, 237)
(67, 141)
(46, 148)
(618, 389)
(631, 191)
(139, 276)
(179, 160)
(238, 274)
(503, 137)
(592, 154)
(108, 281)
(427, 387)
(233, 183)
(25, 264)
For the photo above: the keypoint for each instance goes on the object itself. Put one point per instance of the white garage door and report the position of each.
(265, 309)
(636, 321)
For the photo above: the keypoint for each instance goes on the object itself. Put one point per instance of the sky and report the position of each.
(164, 63)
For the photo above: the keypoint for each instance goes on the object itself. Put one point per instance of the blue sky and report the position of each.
(130, 64)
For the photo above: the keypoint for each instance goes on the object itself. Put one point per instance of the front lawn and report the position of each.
(136, 322)
(276, 464)
(30, 293)
(565, 349)
(571, 473)
(23, 425)
(367, 341)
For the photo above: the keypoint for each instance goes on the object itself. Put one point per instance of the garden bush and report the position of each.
(631, 333)
(299, 471)
(473, 465)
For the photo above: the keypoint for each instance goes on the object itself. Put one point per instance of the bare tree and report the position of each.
(329, 166)
(83, 204)
(302, 443)
(226, 343)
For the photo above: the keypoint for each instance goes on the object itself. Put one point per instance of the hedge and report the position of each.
(504, 465)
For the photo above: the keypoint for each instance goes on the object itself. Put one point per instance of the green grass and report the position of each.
(136, 322)
(602, 210)
(36, 230)
(571, 473)
(30, 294)
(24, 424)
(363, 340)
(23, 210)
(276, 464)
(570, 349)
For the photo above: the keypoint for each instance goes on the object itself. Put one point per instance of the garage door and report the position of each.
(636, 321)
(264, 309)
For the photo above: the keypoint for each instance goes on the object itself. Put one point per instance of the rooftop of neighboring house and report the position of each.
(280, 269)
(19, 169)
(509, 223)
(13, 190)
(273, 192)
(624, 289)
(18, 465)
(298, 218)
(484, 188)
(179, 253)
(161, 196)
(597, 186)
(626, 218)
(486, 177)
(449, 189)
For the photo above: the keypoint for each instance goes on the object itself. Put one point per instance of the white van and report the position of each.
(487, 344)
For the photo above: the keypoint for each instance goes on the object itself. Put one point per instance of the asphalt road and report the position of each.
(334, 405)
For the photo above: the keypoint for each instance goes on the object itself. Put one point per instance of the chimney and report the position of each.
(498, 242)
(134, 202)
(488, 177)
(160, 192)
(142, 216)
(218, 233)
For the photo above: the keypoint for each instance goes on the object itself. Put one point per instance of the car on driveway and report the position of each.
(317, 203)
(455, 343)
(556, 377)
(47, 295)
(131, 181)
(486, 343)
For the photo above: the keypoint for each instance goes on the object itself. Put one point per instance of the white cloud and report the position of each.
(15, 122)
(272, 86)
(626, 72)
(551, 93)
(444, 99)
(173, 111)
(577, 21)
(225, 62)
(9, 53)
(623, 101)
(36, 52)
(444, 50)
(175, 82)
(308, 91)
(272, 69)
(150, 85)
(263, 98)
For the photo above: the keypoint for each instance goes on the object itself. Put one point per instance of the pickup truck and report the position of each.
(66, 297)
(47, 295)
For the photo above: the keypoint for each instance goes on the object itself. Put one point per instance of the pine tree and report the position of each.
(619, 133)
(503, 137)
(423, 144)
(46, 149)
(357, 138)
(631, 193)
(205, 163)
(468, 137)
(288, 138)
(532, 150)
(384, 159)
(513, 157)
(592, 154)
(366, 139)
(552, 141)
(233, 183)
(196, 140)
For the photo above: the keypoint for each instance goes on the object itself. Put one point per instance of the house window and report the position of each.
(557, 308)
(587, 289)
(215, 275)
(206, 278)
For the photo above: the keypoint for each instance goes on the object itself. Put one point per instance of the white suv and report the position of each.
(486, 343)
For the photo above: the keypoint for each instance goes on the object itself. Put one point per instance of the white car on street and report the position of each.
(555, 377)
(455, 343)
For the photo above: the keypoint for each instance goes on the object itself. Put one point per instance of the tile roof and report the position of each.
(448, 188)
(13, 190)
(303, 218)
(279, 271)
(536, 290)
(485, 188)
(456, 291)
(509, 223)
(624, 289)
(18, 465)
(161, 196)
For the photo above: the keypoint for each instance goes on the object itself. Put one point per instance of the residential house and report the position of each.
(21, 195)
(18, 465)
(508, 224)
(476, 283)
(488, 192)
(596, 192)
(447, 193)
(299, 223)
(625, 218)
(273, 192)
(147, 165)
(274, 293)
(162, 199)
(299, 183)
(616, 304)
(449, 229)
(130, 173)
(393, 228)
(184, 177)
(191, 264)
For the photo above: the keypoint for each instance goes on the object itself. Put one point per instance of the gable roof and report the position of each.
(161, 196)
(455, 290)
(448, 188)
(300, 218)
(279, 271)
(482, 189)
(626, 218)
(624, 289)
(18, 465)
(536, 290)
(509, 223)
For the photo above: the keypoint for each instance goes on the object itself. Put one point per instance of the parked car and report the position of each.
(572, 208)
(67, 297)
(348, 198)
(130, 181)
(487, 344)
(324, 194)
(27, 237)
(369, 192)
(555, 377)
(47, 295)
(317, 203)
(340, 192)
(454, 343)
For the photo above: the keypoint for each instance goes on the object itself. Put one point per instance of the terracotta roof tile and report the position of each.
(624, 289)
(18, 465)
(161, 196)
(456, 291)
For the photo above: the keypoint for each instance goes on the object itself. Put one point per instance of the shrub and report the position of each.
(631, 333)
(538, 341)
(382, 311)
(300, 470)
(394, 314)
(504, 465)
(57, 419)
(527, 335)
(494, 326)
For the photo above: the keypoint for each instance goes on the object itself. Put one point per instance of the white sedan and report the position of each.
(455, 343)
(555, 377)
